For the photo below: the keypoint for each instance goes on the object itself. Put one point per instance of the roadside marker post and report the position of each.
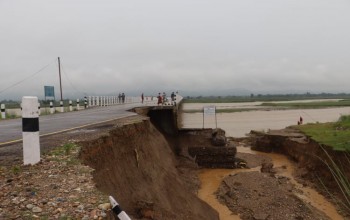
(78, 105)
(3, 111)
(61, 105)
(39, 111)
(51, 108)
(70, 106)
(85, 102)
(117, 209)
(30, 130)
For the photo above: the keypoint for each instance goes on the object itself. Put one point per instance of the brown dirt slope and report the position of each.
(135, 164)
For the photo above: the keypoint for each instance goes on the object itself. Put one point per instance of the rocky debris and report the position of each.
(212, 151)
(218, 138)
(58, 187)
(267, 168)
(215, 157)
(145, 209)
(260, 196)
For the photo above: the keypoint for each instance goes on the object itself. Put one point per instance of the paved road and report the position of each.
(11, 130)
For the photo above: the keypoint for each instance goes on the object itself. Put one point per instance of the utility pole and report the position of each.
(59, 72)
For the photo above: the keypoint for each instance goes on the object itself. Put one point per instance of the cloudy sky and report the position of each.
(193, 46)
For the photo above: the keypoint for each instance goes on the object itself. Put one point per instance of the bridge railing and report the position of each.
(88, 102)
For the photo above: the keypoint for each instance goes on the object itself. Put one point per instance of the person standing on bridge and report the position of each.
(123, 97)
(172, 98)
(120, 98)
(142, 98)
(159, 99)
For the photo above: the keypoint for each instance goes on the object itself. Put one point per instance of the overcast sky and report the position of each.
(193, 46)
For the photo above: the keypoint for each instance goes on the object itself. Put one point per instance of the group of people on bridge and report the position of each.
(162, 98)
(121, 97)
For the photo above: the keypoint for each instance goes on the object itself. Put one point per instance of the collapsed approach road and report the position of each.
(11, 130)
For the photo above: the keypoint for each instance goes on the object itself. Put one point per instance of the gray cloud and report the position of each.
(194, 46)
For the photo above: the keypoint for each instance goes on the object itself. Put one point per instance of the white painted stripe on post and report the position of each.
(3, 111)
(51, 108)
(85, 102)
(30, 127)
(70, 106)
(61, 106)
(78, 104)
(117, 209)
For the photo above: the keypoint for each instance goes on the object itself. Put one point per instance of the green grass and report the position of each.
(336, 134)
(321, 104)
(342, 181)
(65, 149)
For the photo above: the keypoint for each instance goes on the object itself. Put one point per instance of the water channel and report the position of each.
(240, 123)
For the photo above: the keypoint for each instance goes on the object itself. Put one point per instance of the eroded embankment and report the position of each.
(313, 159)
(135, 164)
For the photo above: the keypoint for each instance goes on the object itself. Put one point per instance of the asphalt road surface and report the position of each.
(11, 130)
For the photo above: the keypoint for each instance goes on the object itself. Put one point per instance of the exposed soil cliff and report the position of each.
(313, 159)
(135, 164)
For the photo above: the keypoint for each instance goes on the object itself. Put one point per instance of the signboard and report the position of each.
(209, 110)
(49, 91)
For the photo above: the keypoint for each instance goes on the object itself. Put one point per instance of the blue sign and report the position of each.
(49, 91)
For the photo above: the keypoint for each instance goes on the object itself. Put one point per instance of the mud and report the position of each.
(256, 195)
(150, 172)
(311, 157)
(135, 164)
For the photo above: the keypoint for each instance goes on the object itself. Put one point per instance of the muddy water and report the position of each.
(240, 123)
(211, 179)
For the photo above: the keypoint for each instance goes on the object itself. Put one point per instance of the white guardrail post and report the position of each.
(78, 104)
(52, 110)
(70, 106)
(85, 102)
(61, 106)
(30, 130)
(117, 209)
(3, 111)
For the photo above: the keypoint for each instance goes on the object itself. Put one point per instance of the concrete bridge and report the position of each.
(11, 130)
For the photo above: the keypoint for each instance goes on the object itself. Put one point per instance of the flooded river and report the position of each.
(240, 123)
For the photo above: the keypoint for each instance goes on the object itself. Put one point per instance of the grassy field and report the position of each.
(336, 135)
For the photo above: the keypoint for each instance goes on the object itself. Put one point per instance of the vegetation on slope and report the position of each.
(335, 134)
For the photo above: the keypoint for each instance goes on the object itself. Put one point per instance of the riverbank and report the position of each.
(147, 171)
(127, 158)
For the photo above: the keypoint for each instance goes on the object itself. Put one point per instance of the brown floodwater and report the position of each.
(240, 123)
(211, 179)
